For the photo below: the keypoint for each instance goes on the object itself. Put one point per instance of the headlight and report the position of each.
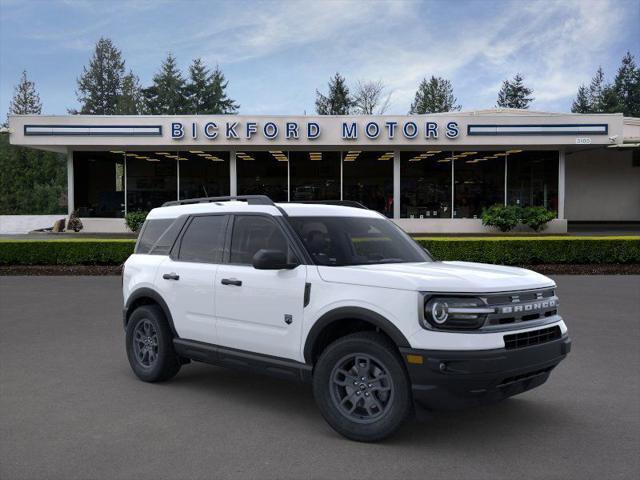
(455, 312)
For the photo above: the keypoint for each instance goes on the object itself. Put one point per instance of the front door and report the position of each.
(187, 279)
(259, 310)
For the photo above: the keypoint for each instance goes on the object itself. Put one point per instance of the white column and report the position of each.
(177, 179)
(125, 185)
(561, 176)
(396, 184)
(506, 169)
(233, 174)
(70, 186)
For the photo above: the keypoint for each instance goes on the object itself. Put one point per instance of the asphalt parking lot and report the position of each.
(70, 408)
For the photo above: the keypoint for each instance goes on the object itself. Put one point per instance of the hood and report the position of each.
(459, 277)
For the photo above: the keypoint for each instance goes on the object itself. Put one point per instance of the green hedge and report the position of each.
(65, 252)
(535, 250)
(501, 250)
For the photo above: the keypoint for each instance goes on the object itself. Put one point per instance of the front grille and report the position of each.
(534, 337)
(519, 307)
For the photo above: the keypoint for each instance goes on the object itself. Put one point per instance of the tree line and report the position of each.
(33, 181)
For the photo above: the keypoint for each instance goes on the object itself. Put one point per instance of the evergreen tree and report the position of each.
(130, 101)
(596, 91)
(99, 86)
(514, 94)
(206, 92)
(218, 100)
(25, 99)
(338, 101)
(581, 104)
(433, 96)
(167, 95)
(627, 86)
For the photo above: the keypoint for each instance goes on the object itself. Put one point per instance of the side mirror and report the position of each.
(271, 260)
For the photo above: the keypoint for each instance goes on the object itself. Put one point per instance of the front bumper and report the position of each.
(449, 379)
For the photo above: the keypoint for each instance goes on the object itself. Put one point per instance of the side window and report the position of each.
(252, 233)
(203, 241)
(151, 232)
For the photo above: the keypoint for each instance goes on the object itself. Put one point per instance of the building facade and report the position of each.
(429, 173)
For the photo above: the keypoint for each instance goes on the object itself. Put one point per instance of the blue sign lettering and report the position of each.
(432, 130)
(452, 130)
(313, 130)
(210, 130)
(177, 130)
(372, 130)
(231, 130)
(410, 130)
(270, 130)
(391, 128)
(349, 132)
(292, 130)
(252, 127)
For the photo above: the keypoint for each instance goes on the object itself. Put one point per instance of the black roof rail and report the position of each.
(250, 199)
(342, 203)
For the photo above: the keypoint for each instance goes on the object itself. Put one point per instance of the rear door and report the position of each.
(259, 310)
(186, 279)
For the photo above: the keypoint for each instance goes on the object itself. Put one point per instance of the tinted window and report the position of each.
(151, 232)
(167, 239)
(253, 233)
(204, 239)
(340, 241)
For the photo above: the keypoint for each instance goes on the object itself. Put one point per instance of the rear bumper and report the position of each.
(454, 379)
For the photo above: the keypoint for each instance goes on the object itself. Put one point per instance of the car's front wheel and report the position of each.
(361, 387)
(150, 345)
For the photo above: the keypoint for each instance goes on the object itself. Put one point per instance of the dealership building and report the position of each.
(429, 173)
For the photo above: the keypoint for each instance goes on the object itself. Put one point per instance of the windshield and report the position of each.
(341, 241)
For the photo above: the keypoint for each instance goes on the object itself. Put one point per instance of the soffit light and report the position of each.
(141, 157)
(152, 160)
(386, 156)
(162, 153)
(444, 160)
(116, 151)
(352, 155)
(514, 151)
(196, 151)
(315, 156)
(131, 154)
(434, 151)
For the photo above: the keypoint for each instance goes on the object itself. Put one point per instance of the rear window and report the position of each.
(151, 232)
(203, 241)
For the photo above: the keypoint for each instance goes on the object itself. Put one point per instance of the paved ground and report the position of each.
(71, 409)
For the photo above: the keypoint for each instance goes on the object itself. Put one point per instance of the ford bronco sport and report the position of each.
(338, 296)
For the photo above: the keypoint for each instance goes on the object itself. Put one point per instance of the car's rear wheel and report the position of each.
(150, 345)
(361, 387)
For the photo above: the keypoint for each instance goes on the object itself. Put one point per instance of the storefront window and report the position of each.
(99, 184)
(262, 173)
(203, 174)
(478, 182)
(532, 178)
(315, 176)
(425, 184)
(368, 178)
(151, 179)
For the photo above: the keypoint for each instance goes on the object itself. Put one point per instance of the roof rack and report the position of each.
(342, 203)
(250, 199)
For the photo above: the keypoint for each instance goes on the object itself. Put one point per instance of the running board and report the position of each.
(240, 359)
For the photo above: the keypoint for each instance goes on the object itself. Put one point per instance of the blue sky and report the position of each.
(276, 53)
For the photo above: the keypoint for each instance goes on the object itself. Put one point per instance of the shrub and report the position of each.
(503, 217)
(65, 252)
(134, 220)
(500, 250)
(535, 250)
(75, 223)
(537, 217)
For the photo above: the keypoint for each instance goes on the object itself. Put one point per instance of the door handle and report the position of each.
(171, 276)
(231, 281)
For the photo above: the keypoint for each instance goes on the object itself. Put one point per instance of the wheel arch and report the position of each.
(148, 296)
(332, 320)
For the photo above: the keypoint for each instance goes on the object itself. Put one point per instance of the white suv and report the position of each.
(338, 296)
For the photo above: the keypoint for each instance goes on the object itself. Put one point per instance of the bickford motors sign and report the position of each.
(294, 130)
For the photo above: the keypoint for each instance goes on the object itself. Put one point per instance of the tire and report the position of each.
(363, 410)
(150, 345)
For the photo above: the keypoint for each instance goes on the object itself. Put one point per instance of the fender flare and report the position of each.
(355, 313)
(145, 292)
